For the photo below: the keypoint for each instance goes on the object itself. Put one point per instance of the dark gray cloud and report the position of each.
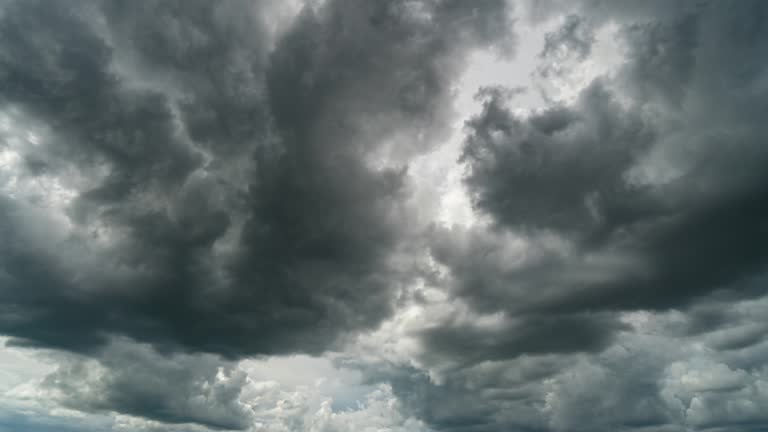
(203, 178)
(622, 11)
(537, 334)
(185, 183)
(651, 377)
(557, 178)
(136, 380)
(239, 189)
(562, 163)
(493, 395)
(644, 193)
(655, 201)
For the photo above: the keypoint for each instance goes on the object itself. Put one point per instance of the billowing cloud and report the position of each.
(641, 193)
(250, 215)
(229, 185)
(135, 380)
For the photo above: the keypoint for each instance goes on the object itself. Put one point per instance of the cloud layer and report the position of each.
(193, 192)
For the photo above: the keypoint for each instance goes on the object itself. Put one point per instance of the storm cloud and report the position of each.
(646, 192)
(238, 215)
(224, 187)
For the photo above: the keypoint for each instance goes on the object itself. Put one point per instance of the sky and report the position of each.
(383, 216)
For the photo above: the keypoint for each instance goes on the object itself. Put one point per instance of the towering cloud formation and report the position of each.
(185, 185)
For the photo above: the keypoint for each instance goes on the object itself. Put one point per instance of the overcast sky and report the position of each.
(383, 216)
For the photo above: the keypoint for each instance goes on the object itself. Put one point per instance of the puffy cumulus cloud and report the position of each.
(379, 411)
(493, 395)
(133, 387)
(219, 177)
(136, 382)
(713, 395)
(662, 371)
